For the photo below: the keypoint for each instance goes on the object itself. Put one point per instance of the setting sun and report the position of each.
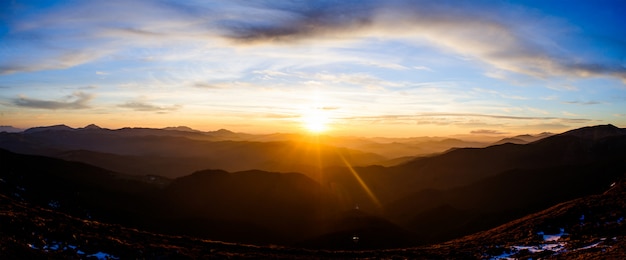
(315, 121)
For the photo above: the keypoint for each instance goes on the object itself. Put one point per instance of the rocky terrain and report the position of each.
(592, 227)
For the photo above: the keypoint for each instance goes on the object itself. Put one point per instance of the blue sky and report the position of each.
(373, 68)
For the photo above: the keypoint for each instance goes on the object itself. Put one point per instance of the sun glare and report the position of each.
(315, 121)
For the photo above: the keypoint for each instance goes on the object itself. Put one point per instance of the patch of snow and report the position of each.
(54, 204)
(53, 247)
(582, 219)
(532, 249)
(589, 246)
(504, 255)
(103, 256)
(550, 245)
(554, 237)
(554, 247)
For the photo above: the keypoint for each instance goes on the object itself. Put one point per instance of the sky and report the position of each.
(367, 68)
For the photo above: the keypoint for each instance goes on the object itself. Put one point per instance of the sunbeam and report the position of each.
(362, 183)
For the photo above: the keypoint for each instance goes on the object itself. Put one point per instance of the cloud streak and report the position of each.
(584, 103)
(464, 115)
(506, 37)
(139, 105)
(507, 40)
(487, 132)
(78, 100)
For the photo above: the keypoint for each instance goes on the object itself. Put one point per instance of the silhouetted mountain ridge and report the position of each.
(48, 128)
(175, 153)
(524, 139)
(425, 200)
(596, 132)
(591, 227)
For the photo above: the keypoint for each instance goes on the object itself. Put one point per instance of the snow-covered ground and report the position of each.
(55, 246)
(551, 243)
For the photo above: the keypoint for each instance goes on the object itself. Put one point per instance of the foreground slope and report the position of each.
(261, 207)
(592, 227)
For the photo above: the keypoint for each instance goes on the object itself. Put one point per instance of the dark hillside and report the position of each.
(464, 166)
(252, 206)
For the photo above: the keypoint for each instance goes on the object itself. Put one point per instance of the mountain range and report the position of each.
(465, 196)
(177, 151)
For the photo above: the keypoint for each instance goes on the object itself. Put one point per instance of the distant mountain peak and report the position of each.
(92, 127)
(49, 128)
(10, 129)
(180, 128)
(524, 138)
(596, 132)
(223, 131)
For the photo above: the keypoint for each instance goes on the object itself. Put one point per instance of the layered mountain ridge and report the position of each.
(426, 200)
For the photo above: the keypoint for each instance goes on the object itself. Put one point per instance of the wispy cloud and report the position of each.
(585, 103)
(487, 132)
(205, 85)
(141, 105)
(565, 113)
(420, 115)
(391, 66)
(465, 119)
(527, 42)
(523, 45)
(422, 68)
(77, 100)
(563, 87)
(34, 60)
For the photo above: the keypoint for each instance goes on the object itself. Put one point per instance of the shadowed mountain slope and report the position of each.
(426, 200)
(253, 206)
(592, 227)
(464, 166)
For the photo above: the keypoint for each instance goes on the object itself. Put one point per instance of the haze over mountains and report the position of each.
(115, 176)
(177, 151)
